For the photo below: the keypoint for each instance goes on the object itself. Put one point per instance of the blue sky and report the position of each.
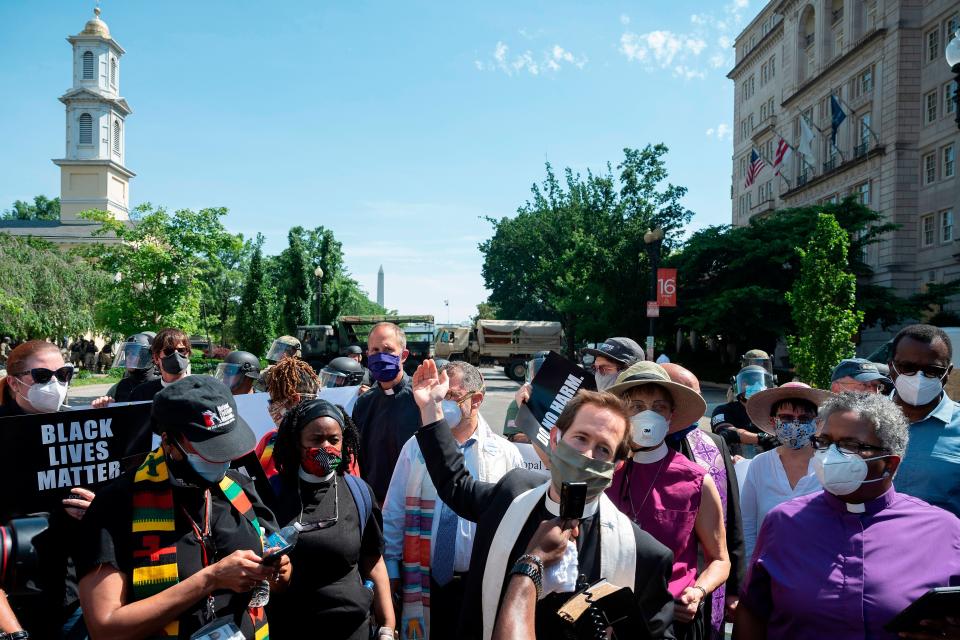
(397, 125)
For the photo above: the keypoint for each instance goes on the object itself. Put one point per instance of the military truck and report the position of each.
(506, 343)
(322, 343)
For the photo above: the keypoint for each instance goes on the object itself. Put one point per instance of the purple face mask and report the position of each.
(384, 367)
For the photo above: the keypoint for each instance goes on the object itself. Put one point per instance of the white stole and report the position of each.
(618, 549)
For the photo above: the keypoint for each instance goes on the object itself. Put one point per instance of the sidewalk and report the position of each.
(87, 393)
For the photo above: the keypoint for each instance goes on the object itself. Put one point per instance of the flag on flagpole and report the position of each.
(781, 155)
(806, 140)
(756, 165)
(837, 116)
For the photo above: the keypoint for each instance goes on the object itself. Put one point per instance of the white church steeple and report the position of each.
(93, 172)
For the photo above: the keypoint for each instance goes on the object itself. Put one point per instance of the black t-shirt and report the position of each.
(106, 537)
(147, 390)
(326, 593)
(386, 420)
(121, 391)
(734, 413)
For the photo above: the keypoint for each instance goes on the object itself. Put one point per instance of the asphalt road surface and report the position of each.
(500, 390)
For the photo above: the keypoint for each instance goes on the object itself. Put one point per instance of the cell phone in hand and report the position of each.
(280, 547)
(573, 497)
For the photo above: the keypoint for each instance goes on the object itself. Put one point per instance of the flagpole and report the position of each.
(876, 138)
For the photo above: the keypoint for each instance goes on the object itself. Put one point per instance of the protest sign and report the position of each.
(557, 381)
(531, 460)
(252, 407)
(47, 454)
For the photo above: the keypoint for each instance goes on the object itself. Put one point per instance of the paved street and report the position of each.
(500, 390)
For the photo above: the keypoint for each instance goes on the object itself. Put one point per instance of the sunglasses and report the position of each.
(169, 351)
(847, 446)
(42, 376)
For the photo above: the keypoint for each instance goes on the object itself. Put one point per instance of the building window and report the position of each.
(113, 71)
(933, 44)
(773, 67)
(946, 225)
(952, 25)
(88, 65)
(929, 168)
(865, 130)
(930, 107)
(926, 231)
(116, 137)
(86, 128)
(949, 162)
(950, 97)
(862, 193)
(870, 7)
(864, 83)
(763, 112)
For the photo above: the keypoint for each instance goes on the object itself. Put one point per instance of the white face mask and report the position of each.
(917, 389)
(605, 380)
(451, 412)
(48, 397)
(649, 428)
(842, 474)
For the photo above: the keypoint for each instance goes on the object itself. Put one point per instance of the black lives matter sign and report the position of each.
(48, 454)
(557, 381)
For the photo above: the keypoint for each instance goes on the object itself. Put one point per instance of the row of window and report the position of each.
(947, 164)
(86, 132)
(929, 228)
(939, 37)
(862, 83)
(932, 102)
(768, 70)
(859, 191)
(88, 68)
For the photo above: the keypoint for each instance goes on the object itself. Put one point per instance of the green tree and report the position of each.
(42, 208)
(486, 311)
(255, 322)
(161, 266)
(822, 304)
(296, 278)
(46, 293)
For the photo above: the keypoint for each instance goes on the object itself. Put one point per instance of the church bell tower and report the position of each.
(93, 173)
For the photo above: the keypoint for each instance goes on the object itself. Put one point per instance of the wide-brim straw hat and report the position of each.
(760, 403)
(688, 405)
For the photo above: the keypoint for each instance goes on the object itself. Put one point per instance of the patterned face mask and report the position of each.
(795, 434)
(279, 409)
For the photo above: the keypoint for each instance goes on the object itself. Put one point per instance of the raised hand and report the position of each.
(429, 388)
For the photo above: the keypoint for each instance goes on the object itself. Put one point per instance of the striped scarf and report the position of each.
(155, 536)
(419, 503)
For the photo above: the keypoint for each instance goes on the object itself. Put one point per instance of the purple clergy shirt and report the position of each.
(822, 571)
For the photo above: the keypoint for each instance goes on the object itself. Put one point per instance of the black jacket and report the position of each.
(486, 503)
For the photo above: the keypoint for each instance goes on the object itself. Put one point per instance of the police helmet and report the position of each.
(751, 379)
(341, 372)
(282, 347)
(757, 357)
(237, 366)
(134, 353)
(353, 350)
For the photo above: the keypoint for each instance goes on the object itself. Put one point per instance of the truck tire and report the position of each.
(516, 370)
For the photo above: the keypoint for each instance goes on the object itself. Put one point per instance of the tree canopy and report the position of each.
(42, 208)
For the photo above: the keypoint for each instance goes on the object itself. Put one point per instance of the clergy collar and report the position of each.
(869, 507)
(312, 479)
(553, 507)
(654, 455)
(395, 388)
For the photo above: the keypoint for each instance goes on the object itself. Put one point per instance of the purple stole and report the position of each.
(707, 455)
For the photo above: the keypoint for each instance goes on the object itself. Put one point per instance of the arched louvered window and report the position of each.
(88, 65)
(86, 128)
(113, 71)
(116, 137)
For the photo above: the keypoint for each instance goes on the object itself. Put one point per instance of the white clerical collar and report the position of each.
(654, 455)
(309, 477)
(554, 507)
(856, 507)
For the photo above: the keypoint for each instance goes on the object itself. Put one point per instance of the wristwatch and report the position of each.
(527, 568)
(22, 634)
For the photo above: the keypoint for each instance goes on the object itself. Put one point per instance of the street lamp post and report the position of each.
(446, 303)
(318, 272)
(953, 59)
(653, 239)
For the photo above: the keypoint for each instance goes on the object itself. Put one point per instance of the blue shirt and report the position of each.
(931, 466)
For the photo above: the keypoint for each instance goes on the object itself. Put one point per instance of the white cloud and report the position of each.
(721, 132)
(552, 60)
(692, 55)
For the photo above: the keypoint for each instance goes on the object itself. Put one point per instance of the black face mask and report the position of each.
(174, 363)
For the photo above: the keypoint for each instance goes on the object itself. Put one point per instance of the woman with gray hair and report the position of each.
(843, 562)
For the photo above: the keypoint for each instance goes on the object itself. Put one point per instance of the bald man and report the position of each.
(703, 447)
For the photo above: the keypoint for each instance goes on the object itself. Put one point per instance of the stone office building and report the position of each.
(897, 148)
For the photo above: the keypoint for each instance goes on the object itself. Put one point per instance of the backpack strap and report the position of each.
(362, 498)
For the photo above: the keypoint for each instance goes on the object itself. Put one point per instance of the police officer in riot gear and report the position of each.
(731, 421)
(134, 356)
(341, 372)
(239, 371)
(282, 347)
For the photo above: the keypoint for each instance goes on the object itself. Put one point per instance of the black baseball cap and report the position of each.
(859, 369)
(623, 350)
(203, 410)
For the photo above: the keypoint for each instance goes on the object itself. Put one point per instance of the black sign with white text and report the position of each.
(557, 381)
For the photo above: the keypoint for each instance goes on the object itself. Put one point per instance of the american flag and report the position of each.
(781, 155)
(756, 165)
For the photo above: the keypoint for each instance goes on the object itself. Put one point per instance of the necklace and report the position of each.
(626, 486)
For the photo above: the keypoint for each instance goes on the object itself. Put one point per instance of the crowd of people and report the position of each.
(409, 516)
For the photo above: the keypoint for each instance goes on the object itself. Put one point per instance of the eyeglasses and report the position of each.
(846, 446)
(929, 370)
(786, 417)
(861, 387)
(659, 406)
(325, 523)
(42, 376)
(461, 398)
(169, 351)
(603, 370)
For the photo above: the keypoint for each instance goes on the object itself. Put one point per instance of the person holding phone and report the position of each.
(843, 562)
(340, 544)
(671, 497)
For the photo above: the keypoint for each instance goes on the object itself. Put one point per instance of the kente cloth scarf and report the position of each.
(419, 503)
(707, 454)
(265, 456)
(155, 536)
